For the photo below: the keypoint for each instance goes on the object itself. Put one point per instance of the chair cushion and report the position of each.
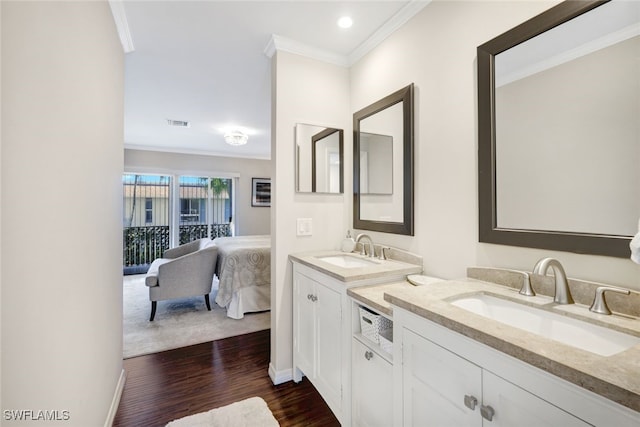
(152, 275)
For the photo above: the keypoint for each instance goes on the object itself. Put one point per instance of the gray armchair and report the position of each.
(184, 271)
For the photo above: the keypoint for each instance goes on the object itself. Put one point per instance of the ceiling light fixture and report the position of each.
(345, 22)
(236, 137)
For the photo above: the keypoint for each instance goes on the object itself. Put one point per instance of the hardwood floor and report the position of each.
(169, 385)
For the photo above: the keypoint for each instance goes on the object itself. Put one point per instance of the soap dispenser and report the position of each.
(348, 244)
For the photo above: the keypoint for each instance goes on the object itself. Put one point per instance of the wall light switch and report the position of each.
(304, 227)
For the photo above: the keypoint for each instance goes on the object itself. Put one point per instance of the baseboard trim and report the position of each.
(115, 402)
(279, 377)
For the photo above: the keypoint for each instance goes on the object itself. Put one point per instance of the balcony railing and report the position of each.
(141, 245)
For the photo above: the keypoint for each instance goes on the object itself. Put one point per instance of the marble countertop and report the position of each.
(377, 270)
(373, 296)
(615, 377)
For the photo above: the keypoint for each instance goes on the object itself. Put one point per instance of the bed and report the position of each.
(244, 274)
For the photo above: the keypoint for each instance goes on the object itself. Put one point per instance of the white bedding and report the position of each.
(244, 274)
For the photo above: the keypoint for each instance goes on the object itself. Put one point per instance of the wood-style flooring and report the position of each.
(165, 386)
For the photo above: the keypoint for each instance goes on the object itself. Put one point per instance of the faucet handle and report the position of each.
(526, 288)
(363, 252)
(600, 303)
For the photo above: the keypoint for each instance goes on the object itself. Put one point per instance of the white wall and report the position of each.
(312, 92)
(601, 155)
(437, 51)
(249, 220)
(62, 111)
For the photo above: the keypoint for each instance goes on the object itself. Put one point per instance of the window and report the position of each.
(159, 212)
(145, 220)
(206, 207)
(148, 209)
(190, 210)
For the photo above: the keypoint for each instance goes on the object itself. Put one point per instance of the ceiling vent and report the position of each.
(178, 123)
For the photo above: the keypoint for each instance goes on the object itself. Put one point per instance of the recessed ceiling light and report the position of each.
(345, 22)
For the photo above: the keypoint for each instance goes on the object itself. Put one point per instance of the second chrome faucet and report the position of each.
(562, 293)
(371, 249)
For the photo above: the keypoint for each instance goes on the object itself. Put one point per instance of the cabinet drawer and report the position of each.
(372, 383)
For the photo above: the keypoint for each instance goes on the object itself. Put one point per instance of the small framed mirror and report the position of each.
(383, 164)
(319, 159)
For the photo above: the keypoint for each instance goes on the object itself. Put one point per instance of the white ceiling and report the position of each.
(205, 62)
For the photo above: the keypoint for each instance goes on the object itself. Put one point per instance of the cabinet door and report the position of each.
(304, 325)
(371, 388)
(435, 383)
(516, 407)
(328, 309)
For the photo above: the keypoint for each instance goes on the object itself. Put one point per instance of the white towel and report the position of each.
(634, 245)
(635, 248)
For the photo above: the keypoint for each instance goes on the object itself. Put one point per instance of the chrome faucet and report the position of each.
(362, 251)
(563, 294)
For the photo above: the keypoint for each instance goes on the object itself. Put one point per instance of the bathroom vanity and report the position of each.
(470, 371)
(449, 364)
(456, 367)
(322, 312)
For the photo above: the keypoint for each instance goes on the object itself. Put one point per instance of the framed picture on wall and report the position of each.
(260, 192)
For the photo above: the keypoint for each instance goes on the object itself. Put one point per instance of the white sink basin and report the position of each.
(348, 261)
(567, 330)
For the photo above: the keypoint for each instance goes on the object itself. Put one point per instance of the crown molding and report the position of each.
(193, 151)
(559, 59)
(284, 44)
(389, 27)
(122, 25)
(280, 43)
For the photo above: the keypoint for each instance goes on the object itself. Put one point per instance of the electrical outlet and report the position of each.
(304, 227)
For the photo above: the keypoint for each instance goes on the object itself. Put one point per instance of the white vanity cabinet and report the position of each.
(442, 378)
(317, 340)
(323, 333)
(322, 337)
(441, 388)
(371, 374)
(372, 385)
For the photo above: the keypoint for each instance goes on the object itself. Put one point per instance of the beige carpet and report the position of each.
(178, 323)
(252, 412)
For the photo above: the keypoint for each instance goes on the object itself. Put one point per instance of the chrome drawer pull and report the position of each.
(487, 412)
(368, 355)
(470, 402)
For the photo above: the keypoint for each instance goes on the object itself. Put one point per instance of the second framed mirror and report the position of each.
(319, 159)
(383, 164)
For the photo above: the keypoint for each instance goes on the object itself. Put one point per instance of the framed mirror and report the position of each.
(559, 135)
(383, 164)
(319, 159)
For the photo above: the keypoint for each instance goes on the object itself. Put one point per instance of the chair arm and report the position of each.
(182, 250)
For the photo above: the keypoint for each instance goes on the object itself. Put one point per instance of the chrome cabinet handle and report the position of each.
(368, 355)
(309, 296)
(470, 402)
(487, 412)
(312, 297)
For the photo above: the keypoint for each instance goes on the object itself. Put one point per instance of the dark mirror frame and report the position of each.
(584, 243)
(404, 95)
(319, 137)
